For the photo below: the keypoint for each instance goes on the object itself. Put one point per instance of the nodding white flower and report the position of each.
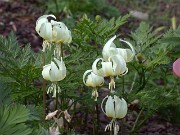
(115, 108)
(94, 81)
(54, 72)
(44, 27)
(61, 34)
(109, 49)
(127, 54)
(115, 66)
(53, 31)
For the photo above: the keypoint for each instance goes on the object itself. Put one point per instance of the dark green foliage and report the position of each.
(20, 74)
(12, 120)
(155, 86)
(19, 67)
(76, 9)
(4, 94)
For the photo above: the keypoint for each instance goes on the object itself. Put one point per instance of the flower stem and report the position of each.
(97, 113)
(135, 123)
(56, 100)
(44, 88)
(123, 92)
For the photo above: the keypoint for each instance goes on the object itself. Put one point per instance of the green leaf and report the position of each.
(12, 120)
(171, 40)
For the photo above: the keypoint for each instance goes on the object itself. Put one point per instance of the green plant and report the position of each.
(20, 74)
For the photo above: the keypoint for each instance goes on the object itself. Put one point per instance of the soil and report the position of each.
(20, 17)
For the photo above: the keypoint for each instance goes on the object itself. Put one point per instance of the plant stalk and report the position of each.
(44, 89)
(135, 123)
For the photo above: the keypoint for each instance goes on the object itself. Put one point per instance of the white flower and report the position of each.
(115, 66)
(119, 65)
(54, 72)
(93, 80)
(115, 108)
(44, 27)
(109, 49)
(53, 31)
(61, 34)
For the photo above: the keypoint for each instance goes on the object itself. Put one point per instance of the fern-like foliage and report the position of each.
(18, 67)
(12, 120)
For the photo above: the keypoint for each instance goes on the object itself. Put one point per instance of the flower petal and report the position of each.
(97, 80)
(109, 49)
(127, 54)
(45, 72)
(87, 82)
(46, 31)
(119, 65)
(120, 107)
(41, 20)
(54, 72)
(61, 32)
(62, 69)
(109, 107)
(107, 69)
(94, 67)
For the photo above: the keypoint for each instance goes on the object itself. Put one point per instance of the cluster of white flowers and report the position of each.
(54, 33)
(112, 64)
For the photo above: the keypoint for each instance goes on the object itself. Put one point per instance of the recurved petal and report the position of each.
(61, 32)
(97, 80)
(61, 69)
(109, 49)
(88, 81)
(45, 72)
(107, 69)
(95, 69)
(54, 72)
(46, 31)
(109, 107)
(41, 20)
(130, 53)
(120, 107)
(119, 65)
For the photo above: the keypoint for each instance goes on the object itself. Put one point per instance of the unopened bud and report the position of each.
(139, 57)
(67, 116)
(98, 17)
(50, 115)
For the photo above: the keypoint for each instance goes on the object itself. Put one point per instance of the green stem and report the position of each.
(97, 113)
(44, 89)
(56, 100)
(57, 8)
(135, 123)
(142, 80)
(123, 92)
